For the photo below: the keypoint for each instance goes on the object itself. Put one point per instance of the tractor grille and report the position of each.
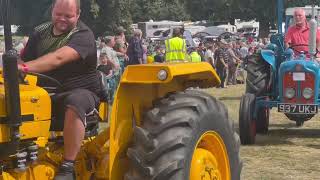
(299, 86)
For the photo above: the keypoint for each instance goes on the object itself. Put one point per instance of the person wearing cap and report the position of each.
(176, 48)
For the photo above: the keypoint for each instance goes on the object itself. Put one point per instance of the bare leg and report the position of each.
(73, 134)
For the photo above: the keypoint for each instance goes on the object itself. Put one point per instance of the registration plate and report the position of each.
(298, 108)
(299, 76)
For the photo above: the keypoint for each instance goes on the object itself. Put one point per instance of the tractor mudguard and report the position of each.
(139, 88)
(269, 57)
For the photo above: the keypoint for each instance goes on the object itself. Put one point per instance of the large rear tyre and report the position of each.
(186, 136)
(258, 75)
(247, 124)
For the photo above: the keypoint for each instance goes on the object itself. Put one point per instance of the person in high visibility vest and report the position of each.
(176, 47)
(194, 55)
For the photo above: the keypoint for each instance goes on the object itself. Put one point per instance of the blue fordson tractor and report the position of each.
(280, 78)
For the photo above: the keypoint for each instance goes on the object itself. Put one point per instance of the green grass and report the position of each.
(286, 152)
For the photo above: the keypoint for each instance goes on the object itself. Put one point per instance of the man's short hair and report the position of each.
(299, 10)
(78, 4)
(176, 32)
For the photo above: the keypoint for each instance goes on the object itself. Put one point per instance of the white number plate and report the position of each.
(298, 108)
(299, 76)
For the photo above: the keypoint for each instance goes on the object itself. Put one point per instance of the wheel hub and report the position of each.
(210, 159)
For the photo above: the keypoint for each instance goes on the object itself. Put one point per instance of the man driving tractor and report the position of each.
(297, 36)
(65, 49)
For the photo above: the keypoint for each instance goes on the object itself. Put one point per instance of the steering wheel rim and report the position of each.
(58, 86)
(307, 52)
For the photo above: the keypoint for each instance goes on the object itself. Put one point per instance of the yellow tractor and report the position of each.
(159, 129)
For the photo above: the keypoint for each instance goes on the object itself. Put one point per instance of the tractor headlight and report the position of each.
(162, 75)
(307, 93)
(289, 93)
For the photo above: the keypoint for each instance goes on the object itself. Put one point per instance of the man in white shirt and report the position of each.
(209, 55)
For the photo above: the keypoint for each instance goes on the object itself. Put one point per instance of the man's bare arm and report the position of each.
(52, 60)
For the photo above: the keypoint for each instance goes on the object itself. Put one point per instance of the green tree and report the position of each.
(215, 10)
(144, 10)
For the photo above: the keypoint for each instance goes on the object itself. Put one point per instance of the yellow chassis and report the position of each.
(103, 156)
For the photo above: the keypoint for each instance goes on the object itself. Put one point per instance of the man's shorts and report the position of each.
(82, 101)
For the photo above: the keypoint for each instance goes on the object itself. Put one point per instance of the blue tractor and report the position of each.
(281, 78)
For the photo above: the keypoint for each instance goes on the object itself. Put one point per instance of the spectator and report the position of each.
(209, 55)
(159, 57)
(111, 54)
(145, 52)
(221, 58)
(120, 36)
(202, 51)
(176, 47)
(109, 57)
(101, 45)
(135, 49)
(232, 65)
(194, 56)
(121, 47)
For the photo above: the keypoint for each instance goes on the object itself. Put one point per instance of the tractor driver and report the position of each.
(298, 34)
(65, 49)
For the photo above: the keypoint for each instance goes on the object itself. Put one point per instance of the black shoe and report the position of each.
(65, 172)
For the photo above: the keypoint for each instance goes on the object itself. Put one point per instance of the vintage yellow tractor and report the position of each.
(159, 128)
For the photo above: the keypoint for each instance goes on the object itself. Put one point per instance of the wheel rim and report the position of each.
(210, 159)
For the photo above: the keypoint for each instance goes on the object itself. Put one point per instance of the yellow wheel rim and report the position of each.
(210, 159)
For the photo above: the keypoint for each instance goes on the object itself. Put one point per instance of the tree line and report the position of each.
(105, 15)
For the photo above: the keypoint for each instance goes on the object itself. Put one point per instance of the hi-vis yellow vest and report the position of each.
(195, 57)
(175, 49)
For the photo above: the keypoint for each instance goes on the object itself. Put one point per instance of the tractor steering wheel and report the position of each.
(304, 52)
(54, 88)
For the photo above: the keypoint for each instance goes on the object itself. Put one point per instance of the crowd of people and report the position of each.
(114, 53)
(227, 56)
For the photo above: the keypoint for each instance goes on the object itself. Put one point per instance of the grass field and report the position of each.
(286, 152)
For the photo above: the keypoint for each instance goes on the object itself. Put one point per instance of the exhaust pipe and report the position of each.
(12, 95)
(313, 35)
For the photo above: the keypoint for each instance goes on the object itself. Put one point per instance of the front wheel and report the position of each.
(186, 136)
(247, 124)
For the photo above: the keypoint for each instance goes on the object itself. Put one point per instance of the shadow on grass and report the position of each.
(286, 125)
(230, 98)
(283, 136)
(314, 146)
